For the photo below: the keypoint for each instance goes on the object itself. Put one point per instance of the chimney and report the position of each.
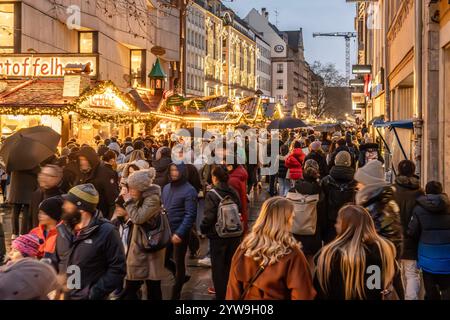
(265, 13)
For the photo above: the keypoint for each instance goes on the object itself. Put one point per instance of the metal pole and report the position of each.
(418, 86)
(400, 143)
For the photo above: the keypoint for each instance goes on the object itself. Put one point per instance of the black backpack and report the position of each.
(338, 195)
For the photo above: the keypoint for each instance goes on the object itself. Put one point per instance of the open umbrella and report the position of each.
(27, 148)
(286, 123)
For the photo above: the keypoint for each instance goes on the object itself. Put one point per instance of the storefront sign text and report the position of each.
(42, 65)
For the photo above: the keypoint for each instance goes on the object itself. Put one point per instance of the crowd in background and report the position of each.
(332, 215)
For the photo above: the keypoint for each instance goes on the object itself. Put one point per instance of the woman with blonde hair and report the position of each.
(269, 264)
(359, 264)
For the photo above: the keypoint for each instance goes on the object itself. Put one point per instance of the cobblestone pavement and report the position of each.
(197, 287)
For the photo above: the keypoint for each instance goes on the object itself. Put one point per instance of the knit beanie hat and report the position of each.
(84, 196)
(371, 173)
(343, 159)
(142, 164)
(316, 145)
(27, 245)
(142, 180)
(114, 146)
(311, 168)
(52, 207)
(27, 279)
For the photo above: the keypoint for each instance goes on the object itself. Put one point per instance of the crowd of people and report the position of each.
(123, 215)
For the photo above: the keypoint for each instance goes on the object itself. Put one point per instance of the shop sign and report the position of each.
(103, 101)
(42, 65)
(357, 99)
(377, 84)
(279, 48)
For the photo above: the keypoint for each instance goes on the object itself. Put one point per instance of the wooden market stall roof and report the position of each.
(46, 97)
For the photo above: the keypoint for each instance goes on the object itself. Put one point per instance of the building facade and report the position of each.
(263, 67)
(41, 42)
(406, 43)
(196, 50)
(289, 74)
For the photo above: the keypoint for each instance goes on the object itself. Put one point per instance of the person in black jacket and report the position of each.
(430, 228)
(339, 188)
(284, 184)
(221, 249)
(341, 146)
(316, 153)
(163, 160)
(50, 180)
(105, 181)
(88, 250)
(407, 190)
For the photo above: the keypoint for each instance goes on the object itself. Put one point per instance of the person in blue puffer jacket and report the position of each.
(179, 198)
(430, 227)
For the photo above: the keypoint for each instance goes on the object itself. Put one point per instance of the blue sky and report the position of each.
(312, 16)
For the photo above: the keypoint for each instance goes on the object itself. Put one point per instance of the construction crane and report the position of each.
(347, 36)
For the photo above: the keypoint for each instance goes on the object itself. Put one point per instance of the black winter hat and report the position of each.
(52, 207)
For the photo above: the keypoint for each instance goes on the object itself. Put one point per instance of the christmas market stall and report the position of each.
(74, 107)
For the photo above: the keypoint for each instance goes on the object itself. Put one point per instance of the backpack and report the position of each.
(305, 209)
(338, 195)
(229, 223)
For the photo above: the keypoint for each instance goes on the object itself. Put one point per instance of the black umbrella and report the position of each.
(27, 148)
(286, 123)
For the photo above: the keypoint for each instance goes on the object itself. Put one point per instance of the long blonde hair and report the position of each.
(137, 155)
(357, 230)
(270, 238)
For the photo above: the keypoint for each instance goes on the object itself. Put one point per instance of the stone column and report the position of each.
(430, 101)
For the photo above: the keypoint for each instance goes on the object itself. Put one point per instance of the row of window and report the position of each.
(263, 66)
(195, 61)
(196, 18)
(195, 82)
(195, 39)
(264, 52)
(264, 84)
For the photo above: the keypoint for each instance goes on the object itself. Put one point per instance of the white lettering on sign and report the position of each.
(42, 66)
(105, 100)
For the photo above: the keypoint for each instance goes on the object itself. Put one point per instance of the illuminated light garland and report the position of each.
(112, 116)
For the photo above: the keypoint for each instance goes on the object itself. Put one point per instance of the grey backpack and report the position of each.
(229, 223)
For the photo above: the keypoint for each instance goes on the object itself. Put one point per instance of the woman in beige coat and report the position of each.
(142, 203)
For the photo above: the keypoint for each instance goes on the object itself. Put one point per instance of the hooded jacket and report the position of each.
(105, 181)
(294, 162)
(282, 169)
(321, 160)
(212, 202)
(379, 201)
(47, 248)
(430, 227)
(179, 198)
(98, 252)
(407, 191)
(143, 265)
(161, 165)
(238, 181)
(339, 188)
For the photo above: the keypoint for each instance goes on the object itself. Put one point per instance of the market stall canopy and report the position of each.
(375, 120)
(175, 100)
(287, 123)
(401, 124)
(28, 147)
